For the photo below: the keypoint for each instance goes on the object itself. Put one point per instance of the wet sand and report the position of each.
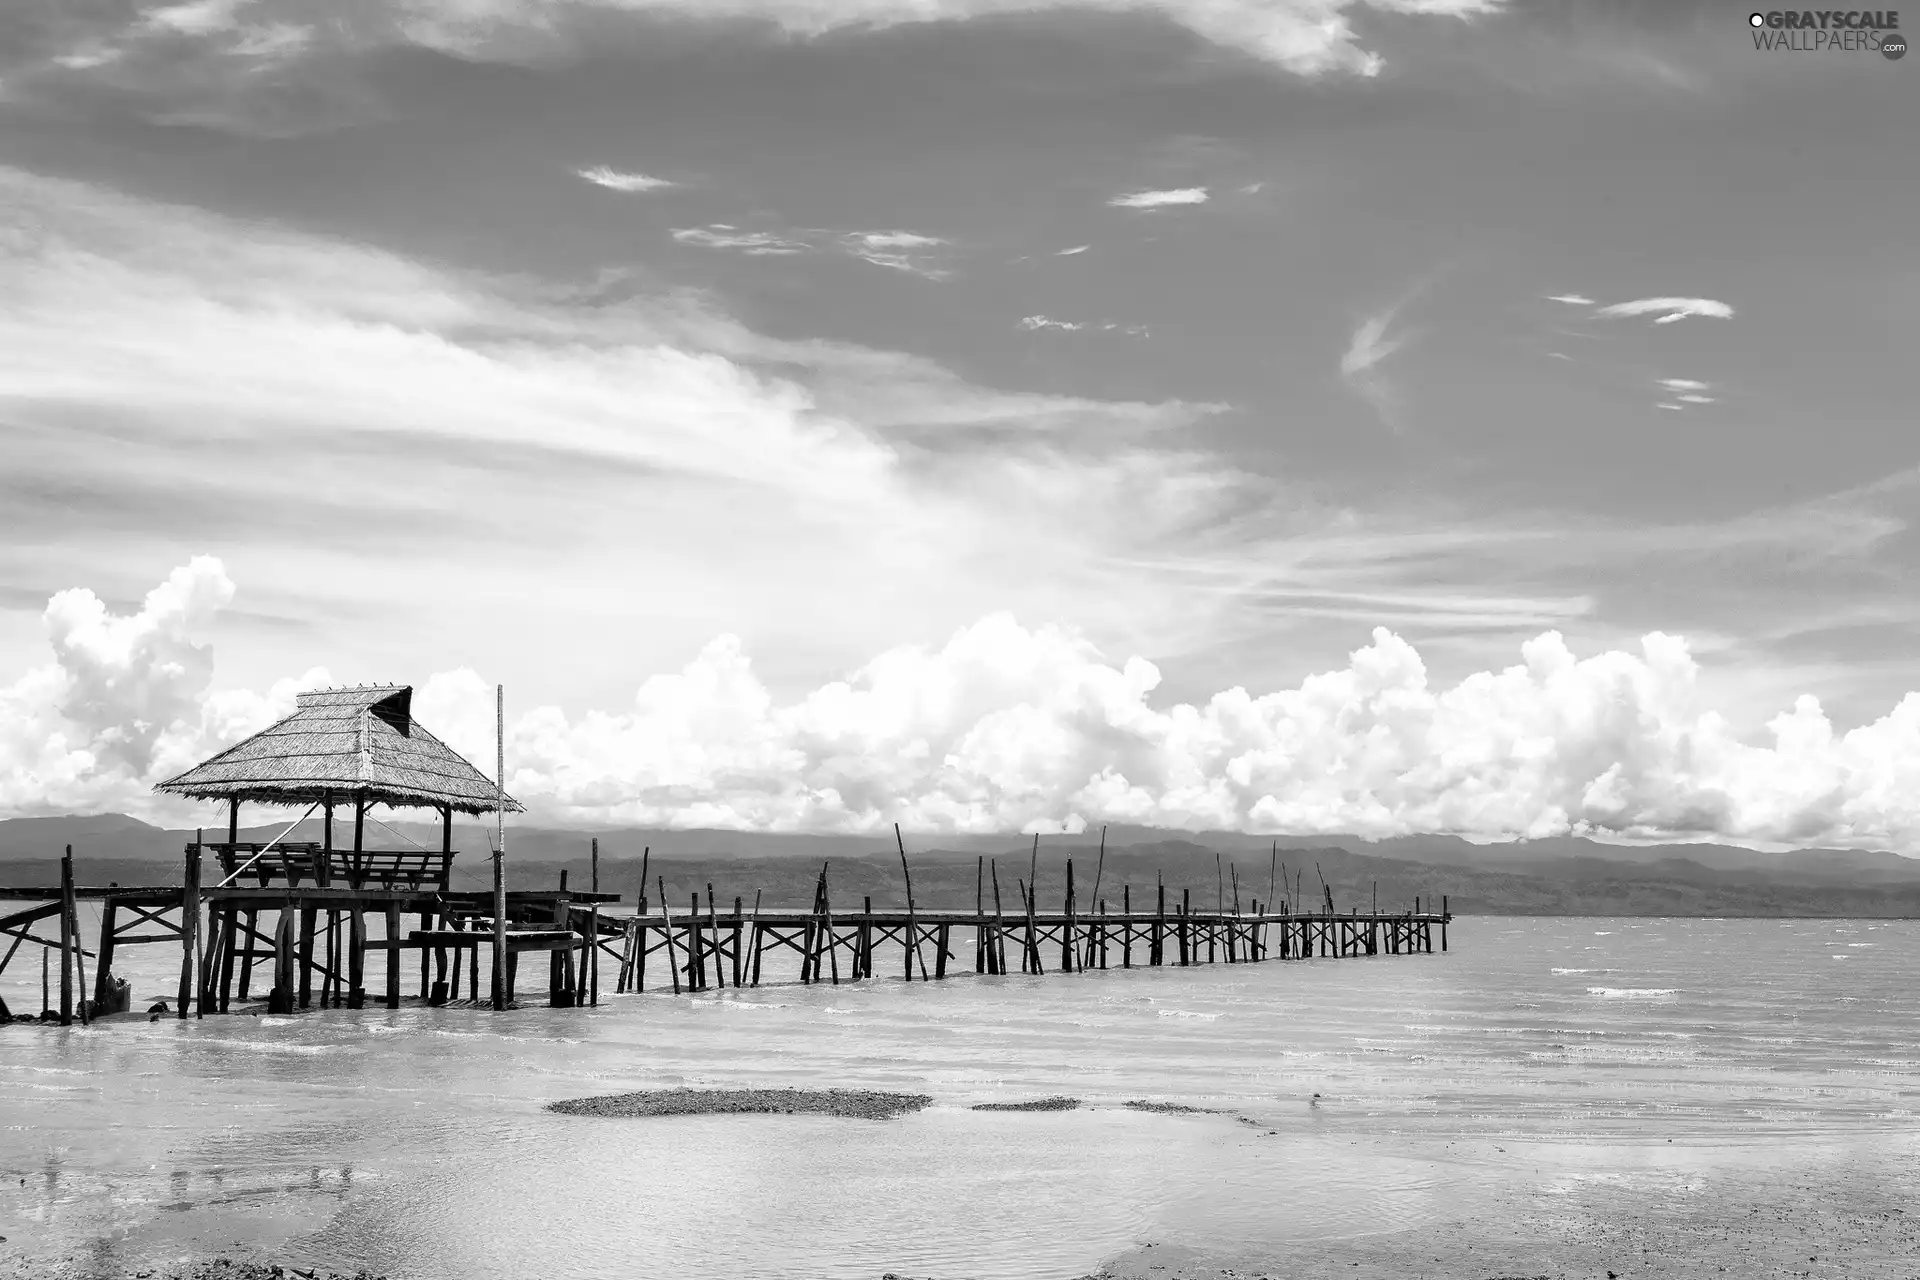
(1855, 1222)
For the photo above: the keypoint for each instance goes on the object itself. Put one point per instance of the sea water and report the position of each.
(1359, 1095)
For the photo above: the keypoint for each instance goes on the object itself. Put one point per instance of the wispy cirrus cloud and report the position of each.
(905, 251)
(1068, 253)
(601, 175)
(1667, 310)
(722, 235)
(1160, 199)
(1571, 299)
(1372, 342)
(1035, 323)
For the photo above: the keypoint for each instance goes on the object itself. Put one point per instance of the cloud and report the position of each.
(1068, 253)
(1668, 404)
(1572, 299)
(1160, 199)
(721, 235)
(405, 421)
(269, 68)
(1005, 726)
(1667, 310)
(1682, 384)
(896, 250)
(1035, 323)
(1693, 399)
(615, 180)
(906, 251)
(1371, 344)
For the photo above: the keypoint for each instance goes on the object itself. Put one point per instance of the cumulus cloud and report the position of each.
(1160, 199)
(616, 180)
(1035, 323)
(1667, 310)
(1007, 727)
(125, 701)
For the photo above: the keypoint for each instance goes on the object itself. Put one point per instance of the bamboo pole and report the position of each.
(753, 940)
(1099, 870)
(666, 927)
(913, 922)
(826, 916)
(500, 846)
(999, 924)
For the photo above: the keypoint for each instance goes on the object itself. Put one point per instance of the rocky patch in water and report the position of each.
(858, 1104)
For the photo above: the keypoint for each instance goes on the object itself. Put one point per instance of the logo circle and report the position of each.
(1894, 47)
(1756, 19)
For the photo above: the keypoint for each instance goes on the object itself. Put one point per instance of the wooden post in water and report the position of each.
(666, 930)
(1126, 936)
(103, 970)
(739, 956)
(713, 941)
(913, 922)
(1157, 947)
(980, 914)
(189, 923)
(500, 846)
(357, 959)
(1187, 910)
(753, 939)
(66, 941)
(1446, 915)
(1099, 871)
(999, 949)
(1067, 936)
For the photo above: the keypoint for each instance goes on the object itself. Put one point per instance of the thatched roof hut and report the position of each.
(357, 746)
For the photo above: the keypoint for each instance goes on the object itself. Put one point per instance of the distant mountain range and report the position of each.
(1558, 876)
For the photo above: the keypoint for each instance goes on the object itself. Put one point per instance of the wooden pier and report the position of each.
(281, 925)
(698, 948)
(280, 944)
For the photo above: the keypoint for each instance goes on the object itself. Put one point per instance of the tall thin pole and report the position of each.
(500, 847)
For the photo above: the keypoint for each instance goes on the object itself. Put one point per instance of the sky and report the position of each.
(1326, 416)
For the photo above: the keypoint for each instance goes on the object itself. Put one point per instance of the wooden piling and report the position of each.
(913, 922)
(68, 938)
(393, 955)
(357, 960)
(666, 929)
(189, 923)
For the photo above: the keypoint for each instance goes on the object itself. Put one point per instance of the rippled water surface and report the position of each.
(415, 1141)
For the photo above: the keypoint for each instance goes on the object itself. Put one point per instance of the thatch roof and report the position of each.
(348, 742)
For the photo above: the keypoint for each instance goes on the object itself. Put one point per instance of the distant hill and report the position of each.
(1562, 876)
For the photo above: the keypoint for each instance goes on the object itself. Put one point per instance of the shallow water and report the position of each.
(415, 1141)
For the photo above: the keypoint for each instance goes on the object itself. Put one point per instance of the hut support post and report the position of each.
(393, 955)
(103, 970)
(189, 923)
(68, 941)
